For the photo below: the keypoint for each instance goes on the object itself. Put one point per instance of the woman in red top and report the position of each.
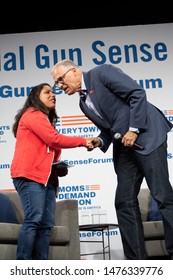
(38, 145)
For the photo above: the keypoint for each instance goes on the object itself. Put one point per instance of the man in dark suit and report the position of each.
(118, 106)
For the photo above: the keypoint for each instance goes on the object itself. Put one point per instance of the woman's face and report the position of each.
(47, 97)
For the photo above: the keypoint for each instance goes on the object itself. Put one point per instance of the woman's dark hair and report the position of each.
(33, 100)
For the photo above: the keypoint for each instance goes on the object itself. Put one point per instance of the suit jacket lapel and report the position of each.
(91, 93)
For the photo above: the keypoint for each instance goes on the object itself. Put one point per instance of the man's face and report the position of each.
(68, 79)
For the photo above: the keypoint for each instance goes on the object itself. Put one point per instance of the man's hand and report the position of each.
(129, 138)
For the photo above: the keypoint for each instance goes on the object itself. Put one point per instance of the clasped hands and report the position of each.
(92, 143)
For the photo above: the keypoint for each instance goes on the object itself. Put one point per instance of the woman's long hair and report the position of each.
(33, 100)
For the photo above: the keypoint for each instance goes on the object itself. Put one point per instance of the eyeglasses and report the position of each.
(61, 78)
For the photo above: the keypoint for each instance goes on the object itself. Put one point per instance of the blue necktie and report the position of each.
(83, 95)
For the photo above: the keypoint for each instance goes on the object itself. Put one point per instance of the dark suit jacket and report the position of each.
(122, 103)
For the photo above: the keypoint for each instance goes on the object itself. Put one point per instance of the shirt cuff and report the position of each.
(101, 143)
(133, 129)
